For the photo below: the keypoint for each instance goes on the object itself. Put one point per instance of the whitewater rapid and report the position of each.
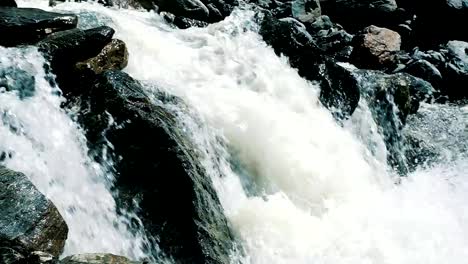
(296, 186)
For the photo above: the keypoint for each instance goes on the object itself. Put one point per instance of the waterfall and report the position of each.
(296, 186)
(39, 139)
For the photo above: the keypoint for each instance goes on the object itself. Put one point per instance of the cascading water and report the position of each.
(39, 139)
(296, 187)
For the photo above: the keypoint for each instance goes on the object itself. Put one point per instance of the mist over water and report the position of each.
(295, 185)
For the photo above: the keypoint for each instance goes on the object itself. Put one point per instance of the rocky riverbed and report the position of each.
(393, 54)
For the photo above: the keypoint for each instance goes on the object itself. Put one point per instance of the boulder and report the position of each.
(391, 99)
(20, 26)
(330, 38)
(375, 47)
(65, 49)
(114, 56)
(182, 22)
(29, 221)
(194, 9)
(425, 70)
(289, 37)
(97, 259)
(157, 168)
(9, 3)
(339, 89)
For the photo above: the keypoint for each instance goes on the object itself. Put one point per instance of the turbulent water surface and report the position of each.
(296, 186)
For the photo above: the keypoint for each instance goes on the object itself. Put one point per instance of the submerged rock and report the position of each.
(97, 259)
(114, 56)
(29, 25)
(391, 98)
(375, 46)
(28, 221)
(156, 167)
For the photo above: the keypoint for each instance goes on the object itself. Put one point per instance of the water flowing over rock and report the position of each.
(29, 25)
(28, 220)
(157, 167)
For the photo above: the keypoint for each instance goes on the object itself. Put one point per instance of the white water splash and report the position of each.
(43, 142)
(318, 196)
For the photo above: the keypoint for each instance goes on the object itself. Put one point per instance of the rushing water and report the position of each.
(296, 186)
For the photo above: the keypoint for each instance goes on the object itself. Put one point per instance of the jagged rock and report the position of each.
(375, 47)
(178, 203)
(29, 25)
(290, 37)
(65, 49)
(339, 90)
(28, 221)
(391, 98)
(183, 22)
(426, 71)
(114, 56)
(9, 3)
(97, 259)
(330, 38)
(355, 14)
(194, 9)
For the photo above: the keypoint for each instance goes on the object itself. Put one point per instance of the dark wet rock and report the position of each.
(183, 22)
(356, 14)
(29, 221)
(290, 38)
(194, 9)
(157, 167)
(455, 72)
(8, 3)
(114, 56)
(28, 25)
(426, 71)
(339, 90)
(375, 47)
(391, 99)
(97, 259)
(65, 49)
